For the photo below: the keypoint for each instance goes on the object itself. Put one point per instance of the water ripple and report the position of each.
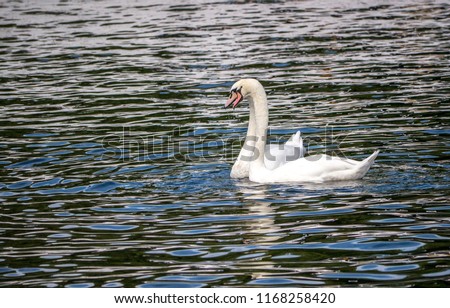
(115, 150)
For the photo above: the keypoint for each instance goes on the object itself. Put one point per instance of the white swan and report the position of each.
(275, 155)
(316, 168)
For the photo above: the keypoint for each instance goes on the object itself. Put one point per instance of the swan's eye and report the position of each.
(235, 90)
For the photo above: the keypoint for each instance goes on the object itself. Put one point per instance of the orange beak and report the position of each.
(235, 98)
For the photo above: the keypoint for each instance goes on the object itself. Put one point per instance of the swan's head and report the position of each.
(242, 89)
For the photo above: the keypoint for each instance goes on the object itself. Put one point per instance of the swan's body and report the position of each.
(275, 155)
(317, 168)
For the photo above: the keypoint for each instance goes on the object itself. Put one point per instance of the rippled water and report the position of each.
(115, 149)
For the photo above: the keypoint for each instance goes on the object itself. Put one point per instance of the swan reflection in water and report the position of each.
(270, 226)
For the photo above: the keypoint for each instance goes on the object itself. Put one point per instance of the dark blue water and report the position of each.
(115, 149)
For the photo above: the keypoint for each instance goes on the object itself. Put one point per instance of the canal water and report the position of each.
(115, 148)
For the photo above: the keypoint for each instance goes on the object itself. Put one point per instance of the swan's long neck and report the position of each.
(259, 116)
(246, 152)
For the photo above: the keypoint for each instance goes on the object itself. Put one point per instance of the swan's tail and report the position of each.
(365, 165)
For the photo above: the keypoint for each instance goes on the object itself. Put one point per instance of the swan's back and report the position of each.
(319, 168)
(276, 155)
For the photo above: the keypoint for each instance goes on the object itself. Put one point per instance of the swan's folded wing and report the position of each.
(312, 167)
(277, 155)
(274, 156)
(293, 148)
(323, 168)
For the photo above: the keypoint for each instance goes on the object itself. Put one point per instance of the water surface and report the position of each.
(115, 149)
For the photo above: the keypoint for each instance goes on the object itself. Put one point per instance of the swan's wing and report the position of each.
(312, 167)
(295, 138)
(323, 168)
(293, 148)
(274, 156)
(279, 154)
(355, 173)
